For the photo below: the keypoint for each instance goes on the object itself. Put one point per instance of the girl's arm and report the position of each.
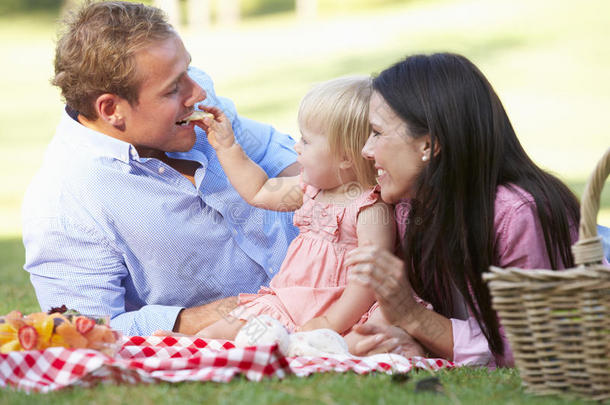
(375, 226)
(250, 181)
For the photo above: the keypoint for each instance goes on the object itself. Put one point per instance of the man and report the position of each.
(131, 214)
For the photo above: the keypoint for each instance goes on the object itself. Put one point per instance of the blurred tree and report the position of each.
(228, 12)
(307, 9)
(172, 9)
(69, 5)
(21, 6)
(198, 14)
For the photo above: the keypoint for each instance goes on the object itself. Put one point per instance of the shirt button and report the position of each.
(134, 152)
(161, 170)
(271, 270)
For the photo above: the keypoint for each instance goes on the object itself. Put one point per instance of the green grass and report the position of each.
(460, 386)
(548, 61)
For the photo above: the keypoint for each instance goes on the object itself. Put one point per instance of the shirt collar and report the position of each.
(73, 132)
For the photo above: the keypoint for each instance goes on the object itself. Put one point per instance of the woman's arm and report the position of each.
(250, 181)
(384, 273)
(374, 225)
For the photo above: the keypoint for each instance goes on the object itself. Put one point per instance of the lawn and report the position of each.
(462, 386)
(548, 61)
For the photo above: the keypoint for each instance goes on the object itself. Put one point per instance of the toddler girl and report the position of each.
(336, 209)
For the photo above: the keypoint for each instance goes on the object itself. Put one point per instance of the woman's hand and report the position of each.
(384, 273)
(369, 338)
(219, 130)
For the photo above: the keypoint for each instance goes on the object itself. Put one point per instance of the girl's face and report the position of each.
(321, 168)
(397, 155)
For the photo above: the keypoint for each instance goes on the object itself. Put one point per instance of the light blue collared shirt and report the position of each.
(107, 232)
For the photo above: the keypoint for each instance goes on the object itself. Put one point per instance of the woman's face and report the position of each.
(397, 155)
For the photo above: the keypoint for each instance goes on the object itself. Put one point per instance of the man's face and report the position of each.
(167, 95)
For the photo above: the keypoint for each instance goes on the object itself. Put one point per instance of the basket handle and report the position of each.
(589, 249)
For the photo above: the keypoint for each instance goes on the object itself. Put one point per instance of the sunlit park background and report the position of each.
(549, 61)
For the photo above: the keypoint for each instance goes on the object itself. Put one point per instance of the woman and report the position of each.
(467, 196)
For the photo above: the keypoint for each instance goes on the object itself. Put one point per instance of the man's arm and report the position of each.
(272, 150)
(292, 170)
(192, 320)
(70, 265)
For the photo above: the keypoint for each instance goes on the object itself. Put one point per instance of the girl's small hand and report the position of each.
(219, 130)
(383, 272)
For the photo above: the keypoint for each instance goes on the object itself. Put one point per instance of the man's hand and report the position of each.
(192, 320)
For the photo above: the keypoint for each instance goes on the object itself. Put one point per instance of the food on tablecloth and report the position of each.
(59, 327)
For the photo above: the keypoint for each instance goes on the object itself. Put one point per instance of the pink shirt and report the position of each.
(519, 242)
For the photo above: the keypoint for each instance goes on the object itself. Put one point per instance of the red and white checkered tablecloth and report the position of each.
(153, 359)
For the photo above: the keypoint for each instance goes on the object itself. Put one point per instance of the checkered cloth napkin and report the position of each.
(153, 359)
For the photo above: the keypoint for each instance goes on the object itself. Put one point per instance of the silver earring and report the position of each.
(424, 158)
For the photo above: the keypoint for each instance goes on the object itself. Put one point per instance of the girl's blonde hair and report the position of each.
(339, 108)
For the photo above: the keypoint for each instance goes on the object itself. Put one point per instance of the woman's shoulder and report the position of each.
(513, 207)
(519, 238)
(510, 197)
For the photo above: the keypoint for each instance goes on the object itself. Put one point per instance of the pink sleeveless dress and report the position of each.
(313, 275)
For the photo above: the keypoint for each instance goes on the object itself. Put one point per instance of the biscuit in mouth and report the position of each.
(195, 116)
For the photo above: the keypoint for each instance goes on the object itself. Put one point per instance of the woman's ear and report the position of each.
(427, 147)
(108, 107)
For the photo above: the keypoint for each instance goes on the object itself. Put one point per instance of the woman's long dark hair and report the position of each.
(446, 96)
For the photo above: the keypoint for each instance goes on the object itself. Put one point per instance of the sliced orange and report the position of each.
(71, 336)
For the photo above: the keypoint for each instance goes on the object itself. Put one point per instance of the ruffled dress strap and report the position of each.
(309, 192)
(366, 199)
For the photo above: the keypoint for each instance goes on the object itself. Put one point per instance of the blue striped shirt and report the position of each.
(107, 232)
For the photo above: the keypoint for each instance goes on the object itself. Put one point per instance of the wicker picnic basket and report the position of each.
(558, 322)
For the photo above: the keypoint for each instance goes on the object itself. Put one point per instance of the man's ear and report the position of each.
(108, 107)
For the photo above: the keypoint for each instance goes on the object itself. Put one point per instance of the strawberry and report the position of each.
(84, 324)
(28, 337)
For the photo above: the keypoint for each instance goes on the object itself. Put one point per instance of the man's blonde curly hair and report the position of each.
(96, 53)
